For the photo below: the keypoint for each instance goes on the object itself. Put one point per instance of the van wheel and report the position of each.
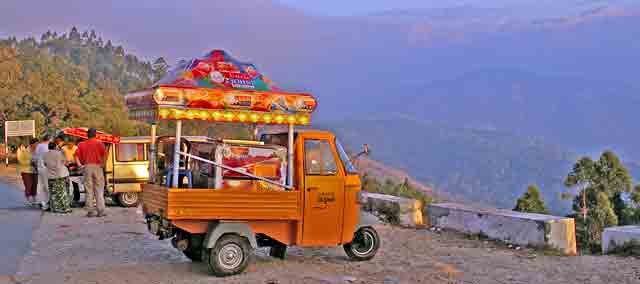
(230, 256)
(364, 246)
(129, 199)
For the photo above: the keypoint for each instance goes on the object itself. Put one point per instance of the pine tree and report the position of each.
(74, 35)
(108, 46)
(119, 51)
(599, 201)
(160, 68)
(531, 202)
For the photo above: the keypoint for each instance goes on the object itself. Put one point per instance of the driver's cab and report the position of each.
(330, 185)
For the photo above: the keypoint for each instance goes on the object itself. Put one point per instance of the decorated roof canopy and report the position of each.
(218, 88)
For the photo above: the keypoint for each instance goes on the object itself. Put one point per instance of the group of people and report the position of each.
(45, 167)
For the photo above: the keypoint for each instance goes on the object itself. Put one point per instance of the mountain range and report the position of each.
(482, 78)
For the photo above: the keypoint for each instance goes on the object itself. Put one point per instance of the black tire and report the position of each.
(364, 246)
(193, 255)
(278, 251)
(129, 199)
(230, 256)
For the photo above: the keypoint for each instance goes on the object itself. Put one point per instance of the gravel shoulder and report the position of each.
(118, 249)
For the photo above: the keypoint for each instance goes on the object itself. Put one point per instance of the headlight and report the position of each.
(361, 197)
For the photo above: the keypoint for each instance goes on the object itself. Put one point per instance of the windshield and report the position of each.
(348, 166)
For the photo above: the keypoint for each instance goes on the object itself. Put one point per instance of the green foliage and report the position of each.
(601, 184)
(531, 202)
(70, 80)
(467, 165)
(389, 214)
(401, 189)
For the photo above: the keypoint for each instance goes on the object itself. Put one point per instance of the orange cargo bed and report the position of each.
(221, 204)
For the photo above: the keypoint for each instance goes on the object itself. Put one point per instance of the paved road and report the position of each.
(17, 226)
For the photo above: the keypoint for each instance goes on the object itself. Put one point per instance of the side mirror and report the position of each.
(365, 151)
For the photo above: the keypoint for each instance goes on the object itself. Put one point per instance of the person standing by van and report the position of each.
(92, 154)
(28, 172)
(43, 174)
(69, 149)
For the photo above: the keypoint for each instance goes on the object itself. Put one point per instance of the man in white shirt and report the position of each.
(43, 175)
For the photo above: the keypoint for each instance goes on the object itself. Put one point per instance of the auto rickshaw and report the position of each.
(218, 199)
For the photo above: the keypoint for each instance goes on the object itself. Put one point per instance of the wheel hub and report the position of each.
(363, 243)
(129, 197)
(230, 256)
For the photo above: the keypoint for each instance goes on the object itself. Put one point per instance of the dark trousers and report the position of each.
(30, 184)
(76, 192)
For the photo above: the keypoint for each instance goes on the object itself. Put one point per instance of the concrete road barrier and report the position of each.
(617, 236)
(407, 211)
(526, 229)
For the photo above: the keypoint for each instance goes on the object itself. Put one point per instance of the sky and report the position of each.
(359, 7)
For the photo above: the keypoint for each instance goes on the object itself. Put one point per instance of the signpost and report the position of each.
(17, 128)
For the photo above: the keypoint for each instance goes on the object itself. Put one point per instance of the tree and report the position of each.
(108, 46)
(74, 35)
(370, 183)
(599, 201)
(531, 202)
(85, 37)
(119, 50)
(581, 176)
(28, 104)
(159, 68)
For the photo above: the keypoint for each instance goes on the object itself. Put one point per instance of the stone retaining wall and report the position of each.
(407, 211)
(519, 228)
(618, 236)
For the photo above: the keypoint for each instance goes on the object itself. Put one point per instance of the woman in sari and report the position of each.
(58, 173)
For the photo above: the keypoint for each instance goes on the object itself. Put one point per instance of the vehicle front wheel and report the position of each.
(364, 246)
(129, 199)
(230, 256)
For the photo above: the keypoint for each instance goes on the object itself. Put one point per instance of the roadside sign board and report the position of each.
(15, 129)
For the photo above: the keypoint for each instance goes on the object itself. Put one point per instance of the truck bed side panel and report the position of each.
(223, 204)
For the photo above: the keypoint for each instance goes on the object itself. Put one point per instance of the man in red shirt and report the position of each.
(92, 154)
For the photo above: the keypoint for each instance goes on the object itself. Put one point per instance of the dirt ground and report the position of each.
(118, 249)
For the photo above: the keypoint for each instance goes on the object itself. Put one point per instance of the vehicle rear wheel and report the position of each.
(278, 251)
(193, 255)
(129, 199)
(364, 246)
(229, 256)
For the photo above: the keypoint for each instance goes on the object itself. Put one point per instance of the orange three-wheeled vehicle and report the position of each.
(220, 199)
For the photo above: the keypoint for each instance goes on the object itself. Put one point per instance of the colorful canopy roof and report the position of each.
(217, 87)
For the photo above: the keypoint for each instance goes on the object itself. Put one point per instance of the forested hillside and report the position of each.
(75, 79)
(490, 167)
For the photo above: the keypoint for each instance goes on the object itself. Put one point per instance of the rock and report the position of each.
(349, 279)
(391, 280)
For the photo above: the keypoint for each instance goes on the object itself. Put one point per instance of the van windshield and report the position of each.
(348, 166)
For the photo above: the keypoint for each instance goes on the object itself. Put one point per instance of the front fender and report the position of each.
(367, 219)
(218, 229)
